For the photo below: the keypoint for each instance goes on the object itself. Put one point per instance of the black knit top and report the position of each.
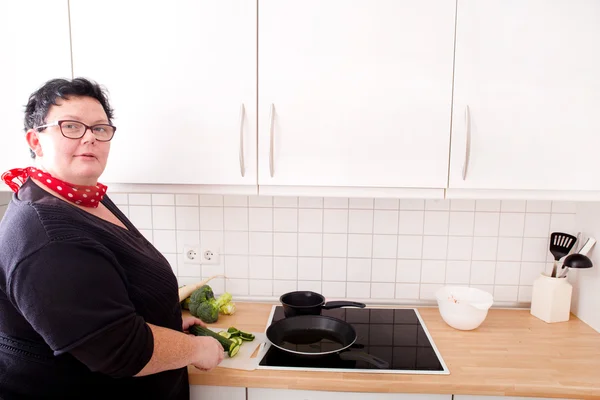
(76, 292)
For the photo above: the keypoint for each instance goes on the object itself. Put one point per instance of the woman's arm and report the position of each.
(174, 350)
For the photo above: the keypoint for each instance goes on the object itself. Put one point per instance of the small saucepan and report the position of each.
(310, 303)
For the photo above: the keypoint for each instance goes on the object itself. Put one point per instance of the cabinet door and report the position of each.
(278, 394)
(34, 43)
(355, 93)
(527, 70)
(198, 392)
(182, 80)
(475, 397)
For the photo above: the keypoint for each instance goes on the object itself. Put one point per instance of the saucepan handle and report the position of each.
(362, 356)
(338, 304)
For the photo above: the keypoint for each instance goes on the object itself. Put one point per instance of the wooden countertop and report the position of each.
(511, 354)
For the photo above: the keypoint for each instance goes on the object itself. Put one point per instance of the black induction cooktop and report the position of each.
(397, 336)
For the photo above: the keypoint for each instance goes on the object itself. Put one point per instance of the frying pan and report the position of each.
(305, 302)
(317, 336)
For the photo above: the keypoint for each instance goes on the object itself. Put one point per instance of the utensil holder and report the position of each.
(551, 299)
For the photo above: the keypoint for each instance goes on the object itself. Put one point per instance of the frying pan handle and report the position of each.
(338, 304)
(361, 356)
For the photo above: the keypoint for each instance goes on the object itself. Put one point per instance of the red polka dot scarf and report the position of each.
(87, 196)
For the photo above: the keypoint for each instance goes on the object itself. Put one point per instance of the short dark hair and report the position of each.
(45, 97)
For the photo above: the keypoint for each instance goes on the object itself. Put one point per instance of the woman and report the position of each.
(89, 308)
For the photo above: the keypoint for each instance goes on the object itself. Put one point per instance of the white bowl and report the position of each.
(463, 307)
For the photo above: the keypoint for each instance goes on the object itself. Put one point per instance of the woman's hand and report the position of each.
(190, 321)
(210, 353)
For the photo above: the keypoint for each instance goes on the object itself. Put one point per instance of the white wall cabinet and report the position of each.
(354, 94)
(278, 394)
(528, 73)
(319, 97)
(182, 80)
(198, 392)
(34, 43)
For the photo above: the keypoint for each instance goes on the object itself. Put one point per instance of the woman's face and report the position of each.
(77, 161)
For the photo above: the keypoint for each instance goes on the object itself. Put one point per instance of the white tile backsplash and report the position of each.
(385, 246)
(260, 267)
(236, 219)
(310, 220)
(187, 200)
(260, 219)
(187, 218)
(335, 245)
(334, 269)
(163, 199)
(383, 270)
(285, 268)
(411, 222)
(335, 221)
(334, 289)
(360, 221)
(360, 245)
(408, 271)
(141, 216)
(261, 243)
(383, 249)
(163, 217)
(309, 268)
(385, 222)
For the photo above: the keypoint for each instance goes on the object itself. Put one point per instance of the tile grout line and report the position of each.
(372, 243)
(248, 229)
(347, 239)
(422, 246)
(497, 248)
(473, 242)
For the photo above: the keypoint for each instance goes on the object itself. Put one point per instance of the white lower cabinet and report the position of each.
(198, 392)
(473, 397)
(278, 394)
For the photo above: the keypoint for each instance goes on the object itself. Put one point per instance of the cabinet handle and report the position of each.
(468, 143)
(272, 144)
(242, 164)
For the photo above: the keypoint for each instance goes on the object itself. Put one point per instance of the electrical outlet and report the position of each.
(191, 255)
(209, 256)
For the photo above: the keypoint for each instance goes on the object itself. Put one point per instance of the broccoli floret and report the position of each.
(201, 295)
(207, 312)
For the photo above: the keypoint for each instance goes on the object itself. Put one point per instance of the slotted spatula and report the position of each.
(560, 245)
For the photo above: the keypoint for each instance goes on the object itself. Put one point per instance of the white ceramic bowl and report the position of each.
(463, 307)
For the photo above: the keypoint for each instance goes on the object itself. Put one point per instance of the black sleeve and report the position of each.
(75, 298)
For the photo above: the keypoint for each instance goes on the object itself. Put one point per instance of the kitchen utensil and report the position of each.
(576, 261)
(463, 307)
(243, 360)
(560, 245)
(318, 336)
(585, 249)
(310, 303)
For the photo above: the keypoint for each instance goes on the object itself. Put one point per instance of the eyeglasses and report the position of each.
(76, 130)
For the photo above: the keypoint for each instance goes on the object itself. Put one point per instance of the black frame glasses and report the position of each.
(108, 127)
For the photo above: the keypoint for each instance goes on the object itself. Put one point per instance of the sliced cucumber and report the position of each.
(233, 331)
(237, 339)
(225, 334)
(234, 350)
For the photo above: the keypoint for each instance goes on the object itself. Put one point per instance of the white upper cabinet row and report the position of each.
(383, 98)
